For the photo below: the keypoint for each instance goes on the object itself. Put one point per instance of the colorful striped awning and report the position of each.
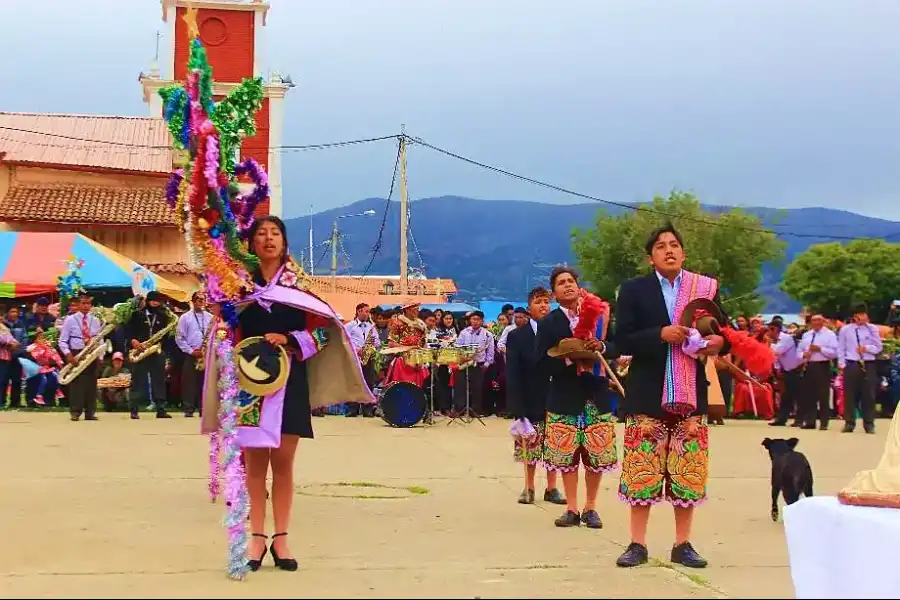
(30, 262)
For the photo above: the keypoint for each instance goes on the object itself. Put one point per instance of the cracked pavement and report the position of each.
(120, 508)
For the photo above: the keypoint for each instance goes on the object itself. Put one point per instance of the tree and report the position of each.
(831, 278)
(732, 246)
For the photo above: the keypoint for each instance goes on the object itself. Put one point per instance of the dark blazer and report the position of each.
(568, 392)
(640, 317)
(526, 385)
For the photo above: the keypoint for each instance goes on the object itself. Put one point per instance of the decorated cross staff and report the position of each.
(246, 378)
(69, 284)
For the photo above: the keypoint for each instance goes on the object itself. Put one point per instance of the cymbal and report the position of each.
(397, 350)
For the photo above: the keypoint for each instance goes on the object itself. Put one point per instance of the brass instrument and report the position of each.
(153, 345)
(95, 349)
(200, 363)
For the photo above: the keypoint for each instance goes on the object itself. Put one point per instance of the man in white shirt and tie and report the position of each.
(361, 330)
(818, 347)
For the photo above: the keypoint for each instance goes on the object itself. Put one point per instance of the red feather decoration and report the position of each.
(592, 308)
(757, 356)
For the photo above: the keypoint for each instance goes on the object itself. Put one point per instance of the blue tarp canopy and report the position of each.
(454, 307)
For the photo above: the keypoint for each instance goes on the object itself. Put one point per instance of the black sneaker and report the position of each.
(591, 519)
(684, 554)
(553, 496)
(635, 555)
(569, 519)
(161, 414)
(526, 497)
(848, 428)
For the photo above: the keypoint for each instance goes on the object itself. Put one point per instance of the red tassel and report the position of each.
(592, 307)
(757, 356)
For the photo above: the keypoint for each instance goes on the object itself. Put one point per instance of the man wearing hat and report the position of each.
(78, 329)
(859, 342)
(666, 437)
(40, 318)
(148, 377)
(469, 382)
(407, 331)
(191, 337)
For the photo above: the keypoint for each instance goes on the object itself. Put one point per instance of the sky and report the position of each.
(780, 103)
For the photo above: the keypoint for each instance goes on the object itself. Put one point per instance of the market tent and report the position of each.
(30, 262)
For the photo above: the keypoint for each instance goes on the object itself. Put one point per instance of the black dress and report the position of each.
(257, 321)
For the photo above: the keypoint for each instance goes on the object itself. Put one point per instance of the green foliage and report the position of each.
(730, 245)
(830, 278)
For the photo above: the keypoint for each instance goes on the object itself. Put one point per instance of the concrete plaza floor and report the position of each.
(120, 508)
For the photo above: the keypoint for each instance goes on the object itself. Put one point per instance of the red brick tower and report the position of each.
(232, 33)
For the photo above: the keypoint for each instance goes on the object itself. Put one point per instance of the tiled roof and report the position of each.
(375, 285)
(140, 144)
(55, 203)
(177, 268)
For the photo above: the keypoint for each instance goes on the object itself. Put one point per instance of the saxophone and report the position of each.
(200, 363)
(95, 349)
(154, 344)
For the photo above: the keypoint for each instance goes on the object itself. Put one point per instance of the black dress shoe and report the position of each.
(591, 519)
(823, 427)
(135, 414)
(848, 428)
(684, 554)
(553, 496)
(634, 555)
(870, 428)
(569, 519)
(777, 423)
(91, 418)
(526, 497)
(161, 414)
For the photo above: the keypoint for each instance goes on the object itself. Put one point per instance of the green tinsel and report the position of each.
(199, 62)
(232, 241)
(176, 118)
(52, 336)
(234, 119)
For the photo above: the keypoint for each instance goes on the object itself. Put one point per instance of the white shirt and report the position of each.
(501, 343)
(360, 331)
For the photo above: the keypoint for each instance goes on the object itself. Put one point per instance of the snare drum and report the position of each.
(403, 404)
(448, 356)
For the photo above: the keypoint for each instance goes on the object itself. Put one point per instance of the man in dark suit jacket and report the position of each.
(666, 446)
(580, 425)
(526, 395)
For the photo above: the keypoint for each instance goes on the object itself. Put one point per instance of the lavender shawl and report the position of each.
(334, 373)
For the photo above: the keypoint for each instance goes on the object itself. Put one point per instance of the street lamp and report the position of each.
(334, 243)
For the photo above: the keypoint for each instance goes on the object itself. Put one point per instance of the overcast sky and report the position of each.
(782, 103)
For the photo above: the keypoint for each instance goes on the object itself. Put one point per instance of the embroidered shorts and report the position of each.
(665, 458)
(531, 450)
(588, 439)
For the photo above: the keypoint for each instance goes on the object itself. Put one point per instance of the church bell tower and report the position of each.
(232, 32)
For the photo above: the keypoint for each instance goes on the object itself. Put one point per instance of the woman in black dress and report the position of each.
(268, 241)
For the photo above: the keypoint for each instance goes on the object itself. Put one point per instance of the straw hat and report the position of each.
(702, 314)
(573, 349)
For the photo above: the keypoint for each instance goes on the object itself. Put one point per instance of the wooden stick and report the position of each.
(612, 375)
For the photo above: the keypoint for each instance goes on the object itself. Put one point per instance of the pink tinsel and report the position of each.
(214, 477)
(211, 166)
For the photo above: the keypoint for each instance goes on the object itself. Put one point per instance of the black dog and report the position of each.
(791, 473)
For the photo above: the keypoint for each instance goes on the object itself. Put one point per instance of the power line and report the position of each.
(95, 144)
(569, 192)
(387, 206)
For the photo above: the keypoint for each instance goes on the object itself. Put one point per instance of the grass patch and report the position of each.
(694, 578)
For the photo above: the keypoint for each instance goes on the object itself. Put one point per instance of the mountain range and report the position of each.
(499, 249)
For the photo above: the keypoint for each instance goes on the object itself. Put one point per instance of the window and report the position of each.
(388, 288)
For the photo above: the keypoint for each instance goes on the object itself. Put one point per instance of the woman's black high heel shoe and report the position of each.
(255, 564)
(285, 564)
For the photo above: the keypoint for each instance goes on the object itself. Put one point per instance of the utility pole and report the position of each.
(334, 251)
(404, 223)
(312, 266)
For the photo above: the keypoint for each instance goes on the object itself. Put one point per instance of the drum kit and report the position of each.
(404, 404)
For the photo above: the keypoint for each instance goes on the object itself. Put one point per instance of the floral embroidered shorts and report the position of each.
(588, 439)
(531, 450)
(666, 457)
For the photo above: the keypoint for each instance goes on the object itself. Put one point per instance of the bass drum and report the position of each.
(403, 404)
